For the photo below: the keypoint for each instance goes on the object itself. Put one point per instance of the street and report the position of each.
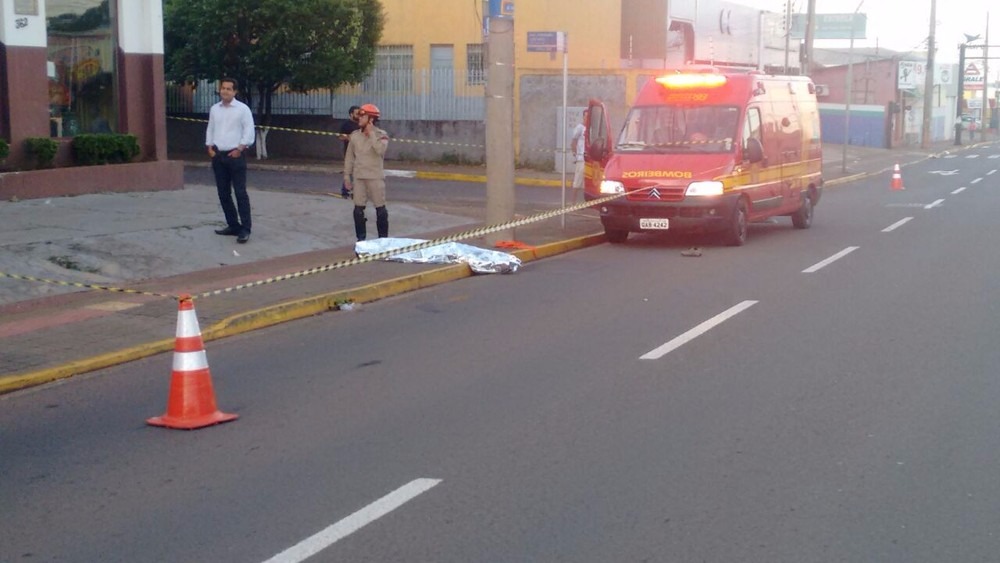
(828, 394)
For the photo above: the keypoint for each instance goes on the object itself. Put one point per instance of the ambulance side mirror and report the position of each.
(755, 150)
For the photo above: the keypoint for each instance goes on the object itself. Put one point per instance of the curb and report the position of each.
(240, 323)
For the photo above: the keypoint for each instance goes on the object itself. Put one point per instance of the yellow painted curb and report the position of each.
(429, 175)
(284, 312)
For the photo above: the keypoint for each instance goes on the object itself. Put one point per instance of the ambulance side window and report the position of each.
(751, 128)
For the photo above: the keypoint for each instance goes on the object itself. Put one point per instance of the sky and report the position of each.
(905, 25)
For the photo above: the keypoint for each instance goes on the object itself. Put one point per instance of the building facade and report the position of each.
(83, 66)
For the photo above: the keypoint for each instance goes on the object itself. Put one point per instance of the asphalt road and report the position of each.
(820, 395)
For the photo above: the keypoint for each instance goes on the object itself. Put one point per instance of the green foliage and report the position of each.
(104, 148)
(267, 44)
(4, 149)
(43, 149)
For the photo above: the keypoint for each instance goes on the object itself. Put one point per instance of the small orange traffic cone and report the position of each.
(191, 403)
(897, 178)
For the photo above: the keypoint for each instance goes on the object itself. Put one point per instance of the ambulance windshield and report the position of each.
(679, 129)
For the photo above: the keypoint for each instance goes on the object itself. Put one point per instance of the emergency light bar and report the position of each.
(683, 81)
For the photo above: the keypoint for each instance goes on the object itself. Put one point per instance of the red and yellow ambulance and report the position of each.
(709, 150)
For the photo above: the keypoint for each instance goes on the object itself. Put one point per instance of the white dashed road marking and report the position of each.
(958, 191)
(816, 267)
(327, 537)
(897, 224)
(976, 181)
(934, 204)
(696, 331)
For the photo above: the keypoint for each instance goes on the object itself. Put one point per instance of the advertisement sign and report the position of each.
(831, 26)
(973, 77)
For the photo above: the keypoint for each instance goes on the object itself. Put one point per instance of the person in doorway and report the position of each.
(577, 147)
(230, 131)
(364, 172)
(346, 128)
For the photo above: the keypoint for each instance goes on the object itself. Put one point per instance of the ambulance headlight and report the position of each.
(612, 187)
(709, 188)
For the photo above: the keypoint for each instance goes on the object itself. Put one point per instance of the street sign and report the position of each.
(546, 42)
(831, 26)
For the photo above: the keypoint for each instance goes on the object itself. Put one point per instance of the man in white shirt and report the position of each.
(230, 131)
(577, 146)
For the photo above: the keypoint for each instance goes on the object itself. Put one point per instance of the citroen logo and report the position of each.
(654, 194)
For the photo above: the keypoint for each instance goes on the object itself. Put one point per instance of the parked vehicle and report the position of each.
(703, 149)
(971, 123)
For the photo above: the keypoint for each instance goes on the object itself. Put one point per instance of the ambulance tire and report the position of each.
(736, 234)
(803, 218)
(616, 236)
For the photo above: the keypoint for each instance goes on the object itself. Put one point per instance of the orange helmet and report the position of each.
(370, 109)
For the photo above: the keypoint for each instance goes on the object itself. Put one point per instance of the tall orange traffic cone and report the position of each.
(897, 178)
(191, 403)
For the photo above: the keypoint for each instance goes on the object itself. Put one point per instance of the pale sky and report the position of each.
(905, 26)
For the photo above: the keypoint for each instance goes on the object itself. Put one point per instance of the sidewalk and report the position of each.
(165, 241)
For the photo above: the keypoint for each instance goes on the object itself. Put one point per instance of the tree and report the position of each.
(267, 44)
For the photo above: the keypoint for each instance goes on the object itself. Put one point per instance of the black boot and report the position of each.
(382, 221)
(359, 222)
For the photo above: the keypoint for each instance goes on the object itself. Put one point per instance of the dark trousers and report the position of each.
(231, 178)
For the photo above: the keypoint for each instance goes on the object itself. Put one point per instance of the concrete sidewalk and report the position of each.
(160, 245)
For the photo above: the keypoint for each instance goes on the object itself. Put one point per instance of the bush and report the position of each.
(43, 149)
(104, 148)
(4, 149)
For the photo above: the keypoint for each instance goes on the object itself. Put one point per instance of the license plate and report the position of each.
(654, 224)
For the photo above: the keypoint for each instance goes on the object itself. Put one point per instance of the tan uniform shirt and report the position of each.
(366, 154)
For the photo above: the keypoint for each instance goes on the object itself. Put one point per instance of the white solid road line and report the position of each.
(696, 331)
(898, 224)
(325, 538)
(815, 267)
(958, 191)
(934, 204)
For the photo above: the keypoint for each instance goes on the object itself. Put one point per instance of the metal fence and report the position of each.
(415, 95)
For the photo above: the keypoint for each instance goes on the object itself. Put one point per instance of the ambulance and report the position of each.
(703, 149)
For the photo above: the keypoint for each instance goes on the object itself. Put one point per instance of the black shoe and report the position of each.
(228, 231)
(244, 236)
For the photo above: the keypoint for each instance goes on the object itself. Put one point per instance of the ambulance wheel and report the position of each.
(803, 218)
(736, 234)
(616, 236)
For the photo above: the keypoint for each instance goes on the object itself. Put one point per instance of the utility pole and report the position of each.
(961, 94)
(984, 124)
(810, 32)
(500, 126)
(788, 31)
(925, 137)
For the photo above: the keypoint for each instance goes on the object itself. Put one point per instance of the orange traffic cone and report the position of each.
(191, 403)
(897, 178)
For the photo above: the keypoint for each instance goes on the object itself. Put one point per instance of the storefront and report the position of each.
(69, 67)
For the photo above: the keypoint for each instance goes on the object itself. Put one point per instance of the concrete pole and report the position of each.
(925, 137)
(565, 146)
(500, 127)
(788, 32)
(986, 81)
(810, 33)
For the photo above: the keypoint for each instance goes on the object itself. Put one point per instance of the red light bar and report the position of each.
(685, 81)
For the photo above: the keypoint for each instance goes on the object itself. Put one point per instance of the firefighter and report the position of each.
(364, 173)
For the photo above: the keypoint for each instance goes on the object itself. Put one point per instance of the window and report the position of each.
(393, 69)
(475, 64)
(81, 67)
